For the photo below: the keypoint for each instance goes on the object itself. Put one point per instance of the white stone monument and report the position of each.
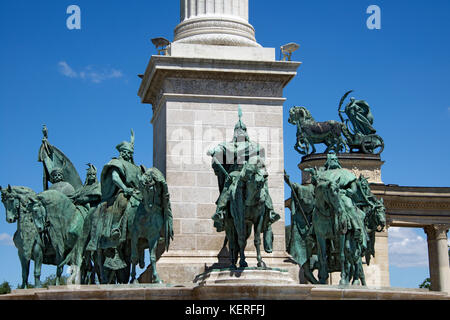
(213, 66)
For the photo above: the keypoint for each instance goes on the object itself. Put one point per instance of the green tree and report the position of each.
(426, 284)
(51, 281)
(5, 288)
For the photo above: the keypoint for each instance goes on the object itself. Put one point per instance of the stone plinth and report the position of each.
(195, 103)
(368, 165)
(224, 292)
(255, 276)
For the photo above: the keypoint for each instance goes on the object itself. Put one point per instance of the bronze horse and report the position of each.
(310, 132)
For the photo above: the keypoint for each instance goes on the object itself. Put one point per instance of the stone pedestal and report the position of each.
(256, 276)
(368, 165)
(195, 103)
(233, 291)
(213, 66)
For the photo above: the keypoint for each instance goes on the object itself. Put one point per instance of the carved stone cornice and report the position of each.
(417, 205)
(177, 75)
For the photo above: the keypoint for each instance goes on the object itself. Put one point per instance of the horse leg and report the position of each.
(98, 261)
(25, 263)
(257, 235)
(134, 257)
(312, 146)
(361, 273)
(38, 258)
(133, 273)
(123, 275)
(152, 244)
(59, 269)
(308, 274)
(322, 253)
(343, 261)
(231, 239)
(357, 263)
(242, 240)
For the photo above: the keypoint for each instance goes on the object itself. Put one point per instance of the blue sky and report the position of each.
(83, 85)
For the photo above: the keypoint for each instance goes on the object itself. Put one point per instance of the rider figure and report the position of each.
(58, 183)
(119, 179)
(229, 160)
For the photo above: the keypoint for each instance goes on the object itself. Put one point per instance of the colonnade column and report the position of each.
(438, 257)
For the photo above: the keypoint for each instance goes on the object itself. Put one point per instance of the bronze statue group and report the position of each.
(101, 229)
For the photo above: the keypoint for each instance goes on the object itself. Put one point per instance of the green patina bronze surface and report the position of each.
(99, 228)
(244, 201)
(357, 129)
(334, 221)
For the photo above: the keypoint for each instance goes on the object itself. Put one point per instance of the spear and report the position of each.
(294, 194)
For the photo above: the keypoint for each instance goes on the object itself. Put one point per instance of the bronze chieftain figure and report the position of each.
(90, 227)
(334, 220)
(244, 199)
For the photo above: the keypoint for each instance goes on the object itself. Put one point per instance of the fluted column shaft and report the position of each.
(438, 257)
(195, 8)
(215, 22)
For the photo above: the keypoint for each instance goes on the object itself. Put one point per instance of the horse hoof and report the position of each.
(157, 280)
(243, 264)
(343, 283)
(261, 264)
(356, 283)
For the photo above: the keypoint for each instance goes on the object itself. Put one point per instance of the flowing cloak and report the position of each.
(163, 204)
(360, 116)
(112, 212)
(51, 157)
(128, 172)
(299, 246)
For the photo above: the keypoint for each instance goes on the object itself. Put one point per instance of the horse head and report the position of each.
(297, 115)
(15, 200)
(39, 214)
(330, 194)
(378, 216)
(11, 203)
(147, 181)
